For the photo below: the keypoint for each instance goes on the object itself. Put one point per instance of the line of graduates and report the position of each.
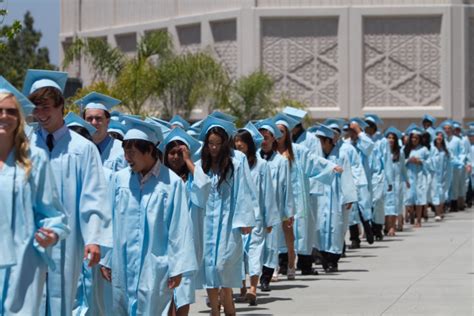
(109, 213)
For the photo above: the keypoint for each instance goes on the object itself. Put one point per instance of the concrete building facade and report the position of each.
(342, 58)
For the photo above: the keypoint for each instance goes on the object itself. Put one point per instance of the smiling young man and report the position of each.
(79, 176)
(96, 111)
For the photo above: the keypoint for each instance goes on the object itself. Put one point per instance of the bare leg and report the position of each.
(213, 295)
(183, 311)
(419, 213)
(229, 307)
(290, 243)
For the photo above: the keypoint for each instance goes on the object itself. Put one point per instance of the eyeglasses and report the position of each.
(9, 112)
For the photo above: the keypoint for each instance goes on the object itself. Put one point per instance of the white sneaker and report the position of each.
(291, 273)
(438, 218)
(275, 276)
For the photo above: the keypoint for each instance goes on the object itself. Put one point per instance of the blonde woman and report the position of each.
(32, 217)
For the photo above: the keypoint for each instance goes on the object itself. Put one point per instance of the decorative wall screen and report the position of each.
(301, 54)
(224, 34)
(402, 62)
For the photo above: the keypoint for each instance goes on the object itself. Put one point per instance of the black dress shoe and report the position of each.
(354, 245)
(309, 271)
(379, 237)
(265, 287)
(331, 269)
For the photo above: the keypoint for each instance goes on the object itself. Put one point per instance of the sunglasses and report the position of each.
(9, 112)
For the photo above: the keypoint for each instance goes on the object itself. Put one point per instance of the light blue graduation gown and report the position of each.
(457, 157)
(267, 216)
(27, 204)
(418, 177)
(333, 217)
(441, 176)
(364, 146)
(394, 200)
(152, 241)
(467, 161)
(79, 175)
(198, 188)
(306, 168)
(112, 155)
(281, 178)
(229, 208)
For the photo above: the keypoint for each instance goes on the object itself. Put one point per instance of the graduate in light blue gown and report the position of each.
(82, 188)
(153, 242)
(362, 214)
(281, 177)
(459, 132)
(394, 204)
(305, 167)
(178, 149)
(382, 173)
(457, 158)
(247, 140)
(441, 173)
(33, 218)
(335, 203)
(428, 123)
(418, 166)
(230, 212)
(95, 109)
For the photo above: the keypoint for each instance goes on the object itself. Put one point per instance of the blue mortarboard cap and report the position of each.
(393, 130)
(446, 123)
(72, 119)
(223, 116)
(324, 131)
(25, 103)
(95, 100)
(194, 132)
(374, 118)
(162, 122)
(211, 122)
(138, 129)
(362, 123)
(257, 137)
(179, 134)
(269, 125)
(469, 132)
(456, 124)
(36, 79)
(428, 117)
(414, 129)
(294, 113)
(470, 125)
(117, 127)
(179, 121)
(283, 119)
(440, 130)
(334, 123)
(165, 130)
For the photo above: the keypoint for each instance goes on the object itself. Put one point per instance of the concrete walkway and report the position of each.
(427, 271)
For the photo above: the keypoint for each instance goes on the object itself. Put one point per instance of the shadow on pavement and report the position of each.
(288, 286)
(267, 300)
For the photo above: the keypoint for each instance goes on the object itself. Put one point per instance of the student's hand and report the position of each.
(246, 230)
(269, 229)
(348, 206)
(354, 126)
(185, 151)
(289, 222)
(106, 273)
(468, 169)
(338, 169)
(92, 253)
(174, 282)
(46, 237)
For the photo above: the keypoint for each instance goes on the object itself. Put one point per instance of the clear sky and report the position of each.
(46, 16)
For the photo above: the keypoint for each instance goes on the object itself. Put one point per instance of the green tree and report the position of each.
(7, 32)
(21, 52)
(251, 98)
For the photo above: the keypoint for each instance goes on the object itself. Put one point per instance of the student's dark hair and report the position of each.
(289, 146)
(395, 149)
(81, 131)
(426, 140)
(184, 172)
(409, 146)
(47, 93)
(226, 167)
(301, 130)
(142, 146)
(372, 125)
(443, 145)
(246, 137)
(116, 135)
(274, 145)
(325, 139)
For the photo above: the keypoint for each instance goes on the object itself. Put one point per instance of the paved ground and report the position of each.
(427, 271)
